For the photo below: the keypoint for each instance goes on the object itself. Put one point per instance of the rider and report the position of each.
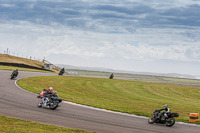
(111, 76)
(62, 71)
(50, 90)
(47, 94)
(15, 72)
(163, 111)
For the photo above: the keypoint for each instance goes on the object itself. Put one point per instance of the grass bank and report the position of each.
(5, 58)
(13, 125)
(133, 97)
(13, 59)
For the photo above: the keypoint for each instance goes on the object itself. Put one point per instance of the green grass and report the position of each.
(13, 125)
(133, 97)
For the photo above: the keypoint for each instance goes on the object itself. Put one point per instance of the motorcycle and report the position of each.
(111, 76)
(52, 103)
(13, 75)
(168, 119)
(61, 72)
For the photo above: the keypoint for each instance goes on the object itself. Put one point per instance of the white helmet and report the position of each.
(51, 88)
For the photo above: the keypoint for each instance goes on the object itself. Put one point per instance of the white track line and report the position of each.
(104, 110)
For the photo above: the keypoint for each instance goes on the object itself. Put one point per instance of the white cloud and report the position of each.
(100, 32)
(7, 5)
(58, 40)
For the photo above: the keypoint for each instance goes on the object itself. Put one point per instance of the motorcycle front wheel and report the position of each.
(12, 77)
(151, 119)
(39, 104)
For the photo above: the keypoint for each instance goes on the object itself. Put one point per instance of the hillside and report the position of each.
(9, 60)
(19, 60)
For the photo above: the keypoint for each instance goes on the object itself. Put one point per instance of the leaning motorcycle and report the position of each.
(168, 120)
(13, 75)
(61, 72)
(52, 103)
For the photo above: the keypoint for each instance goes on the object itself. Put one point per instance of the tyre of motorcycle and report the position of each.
(151, 119)
(12, 76)
(38, 96)
(170, 122)
(53, 105)
(39, 104)
(60, 73)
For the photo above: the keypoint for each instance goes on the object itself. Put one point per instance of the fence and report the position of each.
(8, 52)
(30, 57)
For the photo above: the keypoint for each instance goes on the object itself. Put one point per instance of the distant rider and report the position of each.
(111, 76)
(163, 111)
(15, 72)
(62, 71)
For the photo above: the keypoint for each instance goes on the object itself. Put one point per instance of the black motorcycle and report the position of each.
(61, 72)
(168, 120)
(52, 103)
(13, 75)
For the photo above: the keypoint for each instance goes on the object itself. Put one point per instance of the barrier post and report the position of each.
(194, 117)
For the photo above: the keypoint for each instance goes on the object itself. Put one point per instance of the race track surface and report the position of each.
(15, 102)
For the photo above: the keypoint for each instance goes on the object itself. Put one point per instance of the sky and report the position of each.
(134, 35)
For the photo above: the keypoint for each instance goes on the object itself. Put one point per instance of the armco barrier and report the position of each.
(194, 117)
(21, 65)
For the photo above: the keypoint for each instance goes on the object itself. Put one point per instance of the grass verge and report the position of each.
(133, 97)
(13, 125)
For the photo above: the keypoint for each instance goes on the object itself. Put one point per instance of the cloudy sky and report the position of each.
(135, 35)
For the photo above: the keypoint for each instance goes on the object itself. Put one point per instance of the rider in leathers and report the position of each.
(47, 97)
(47, 94)
(163, 111)
(15, 72)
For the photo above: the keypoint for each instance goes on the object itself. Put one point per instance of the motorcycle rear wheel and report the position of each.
(53, 105)
(170, 122)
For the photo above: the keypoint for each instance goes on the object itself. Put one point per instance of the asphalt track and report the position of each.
(16, 102)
